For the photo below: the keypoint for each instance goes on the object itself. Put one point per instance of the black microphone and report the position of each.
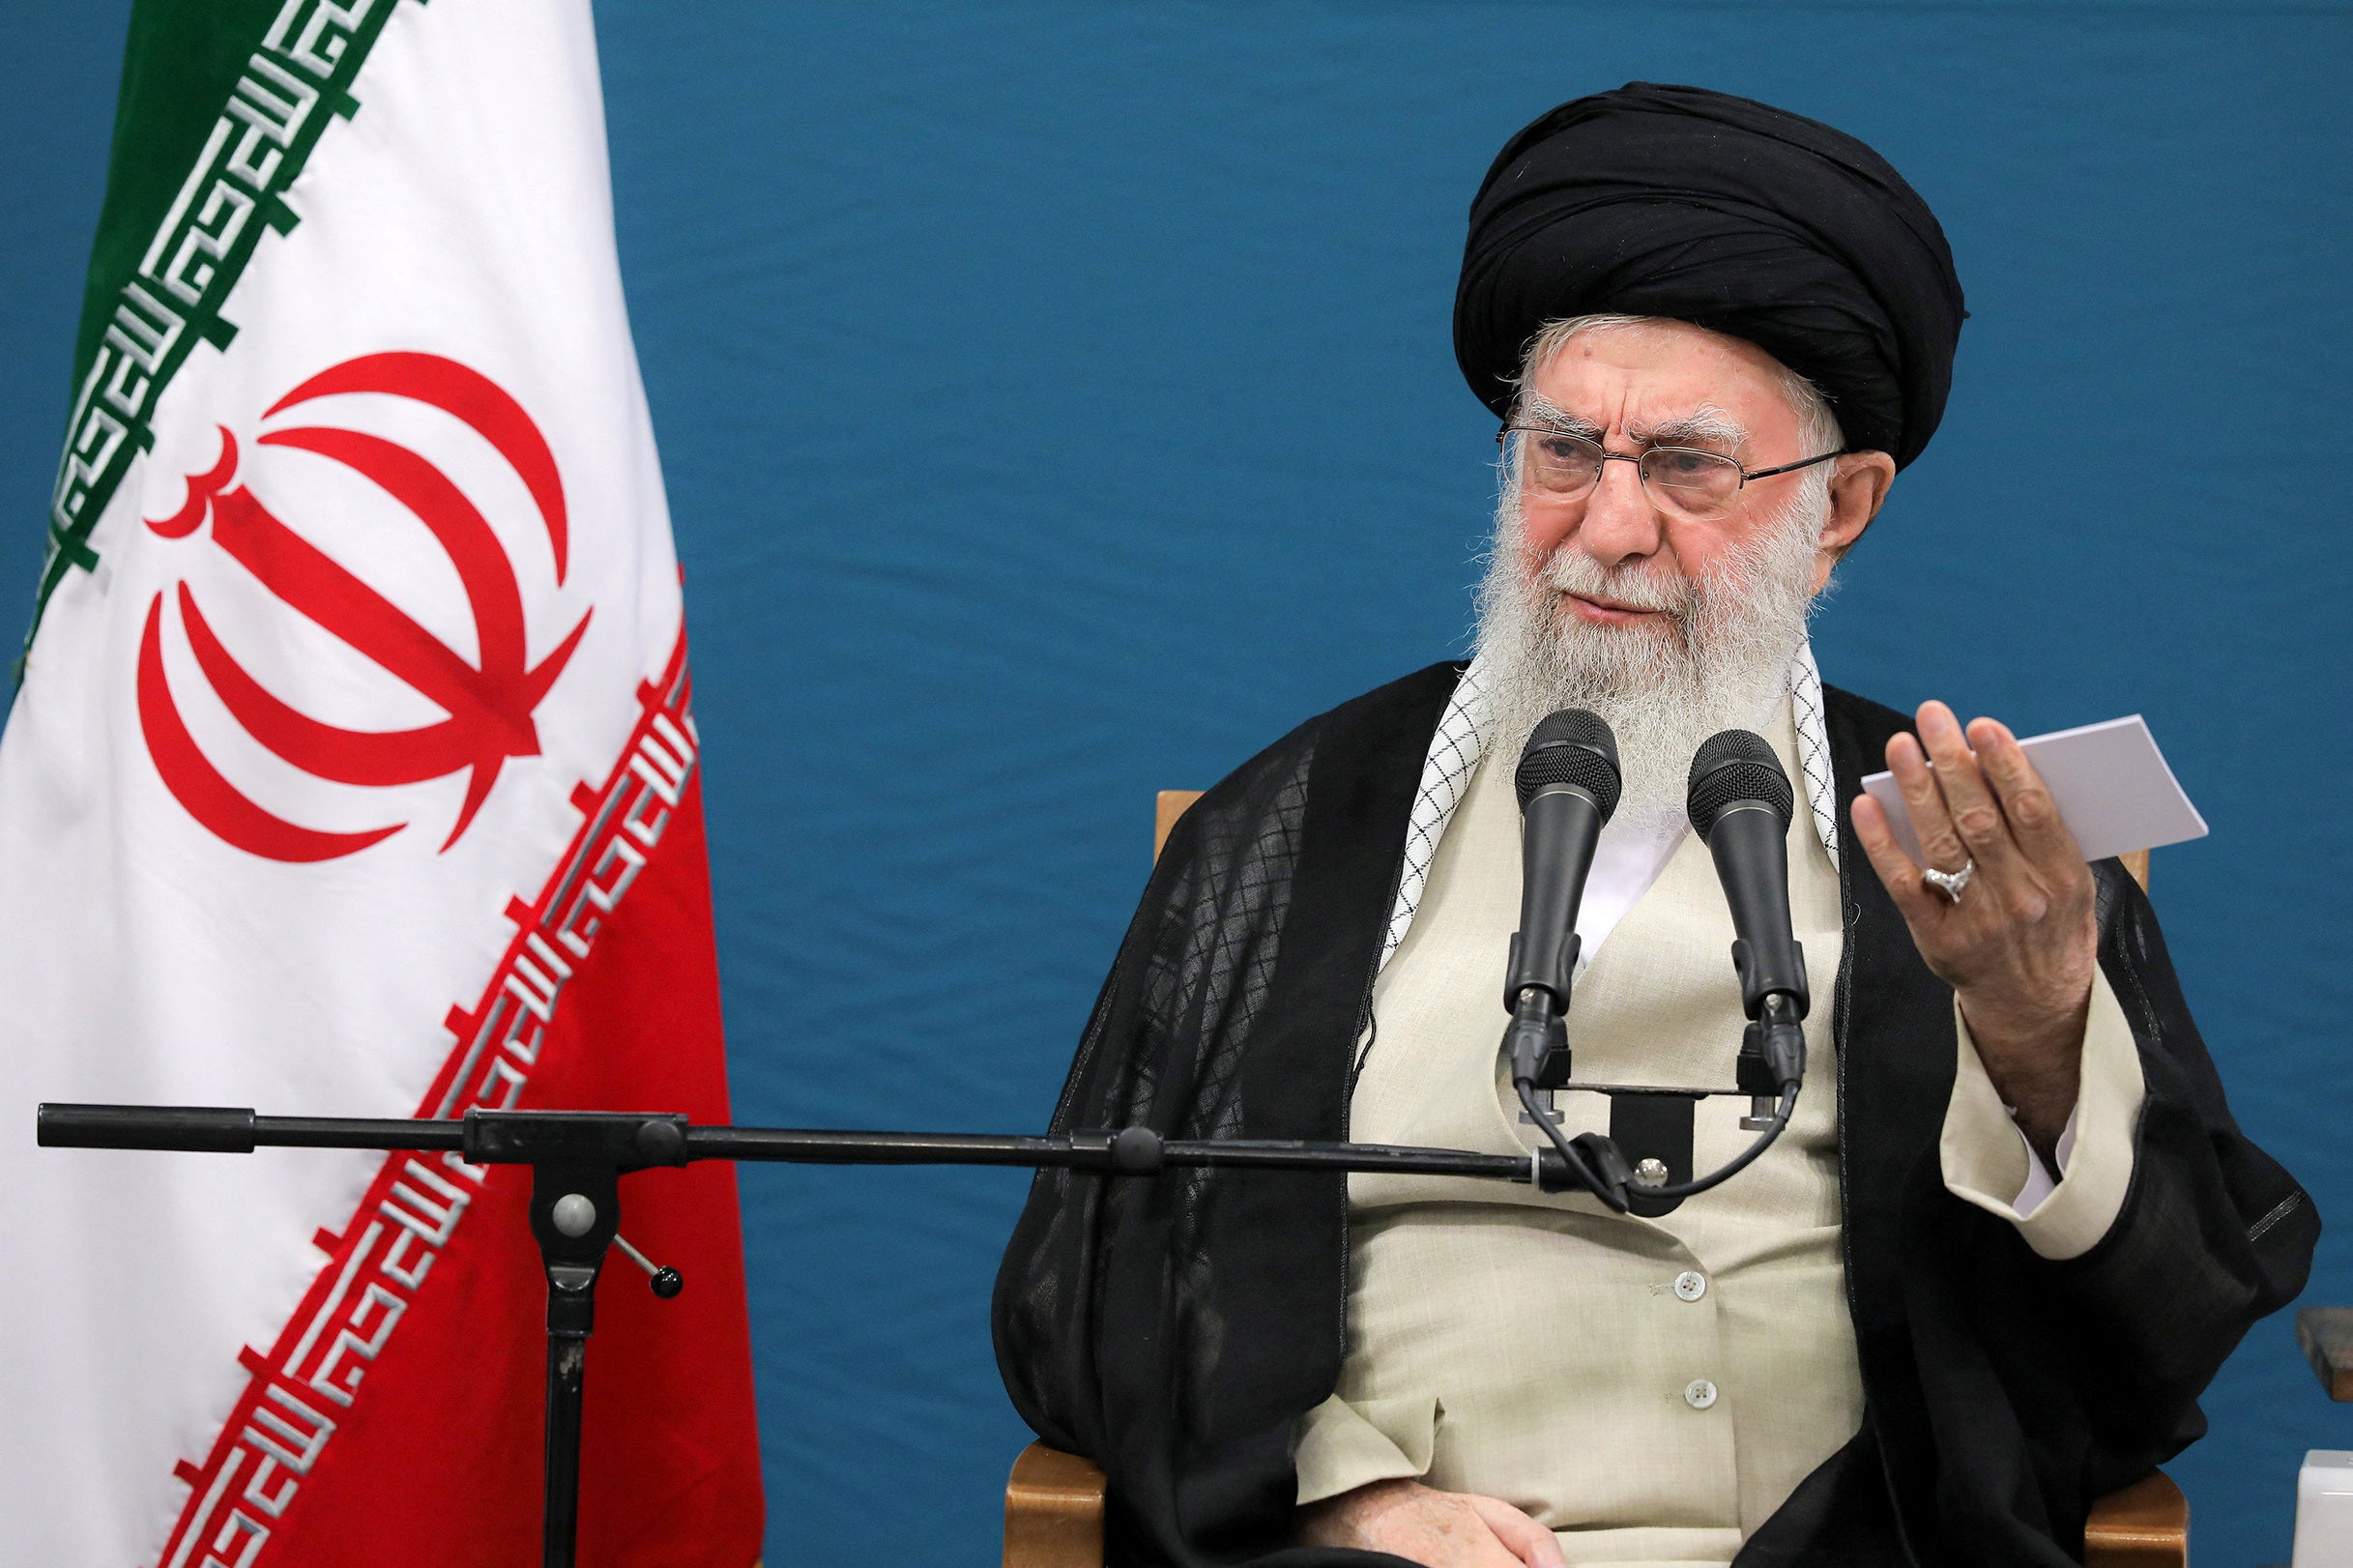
(1740, 802)
(1568, 784)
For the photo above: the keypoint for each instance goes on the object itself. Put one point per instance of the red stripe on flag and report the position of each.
(397, 1419)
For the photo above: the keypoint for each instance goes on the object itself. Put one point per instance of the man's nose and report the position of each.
(1620, 524)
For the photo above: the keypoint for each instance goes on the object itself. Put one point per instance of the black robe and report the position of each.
(1174, 1330)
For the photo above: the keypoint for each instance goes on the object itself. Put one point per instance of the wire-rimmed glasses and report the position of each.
(1561, 466)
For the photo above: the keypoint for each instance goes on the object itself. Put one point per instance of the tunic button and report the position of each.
(1698, 1393)
(1691, 1286)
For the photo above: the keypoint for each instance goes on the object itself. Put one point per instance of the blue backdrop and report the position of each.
(1056, 404)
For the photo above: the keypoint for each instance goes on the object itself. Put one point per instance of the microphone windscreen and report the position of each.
(1736, 766)
(1572, 746)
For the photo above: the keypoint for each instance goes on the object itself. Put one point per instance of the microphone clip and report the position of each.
(1553, 972)
(1759, 987)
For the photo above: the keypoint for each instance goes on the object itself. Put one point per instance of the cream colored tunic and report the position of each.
(1651, 1389)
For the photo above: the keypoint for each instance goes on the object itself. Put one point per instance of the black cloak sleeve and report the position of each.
(1172, 1330)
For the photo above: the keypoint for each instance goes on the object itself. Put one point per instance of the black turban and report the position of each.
(1726, 213)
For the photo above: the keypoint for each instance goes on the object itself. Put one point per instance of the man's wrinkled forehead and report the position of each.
(1662, 383)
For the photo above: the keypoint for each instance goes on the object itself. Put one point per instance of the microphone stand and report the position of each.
(577, 1159)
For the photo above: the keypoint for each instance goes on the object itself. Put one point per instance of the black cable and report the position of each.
(1738, 1162)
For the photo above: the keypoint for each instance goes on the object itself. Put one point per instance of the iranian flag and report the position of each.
(354, 771)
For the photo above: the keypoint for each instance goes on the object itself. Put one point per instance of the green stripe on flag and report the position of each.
(221, 103)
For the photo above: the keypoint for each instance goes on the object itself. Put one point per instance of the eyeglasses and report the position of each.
(1694, 483)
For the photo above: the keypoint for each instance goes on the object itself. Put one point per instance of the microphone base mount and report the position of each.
(1652, 1126)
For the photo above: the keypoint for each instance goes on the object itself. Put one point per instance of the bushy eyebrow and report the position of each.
(1708, 427)
(1537, 410)
(1703, 427)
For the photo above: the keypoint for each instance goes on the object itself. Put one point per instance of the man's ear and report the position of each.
(1858, 489)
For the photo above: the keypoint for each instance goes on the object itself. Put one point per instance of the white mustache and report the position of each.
(1570, 570)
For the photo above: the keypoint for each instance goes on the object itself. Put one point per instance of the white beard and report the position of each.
(1718, 660)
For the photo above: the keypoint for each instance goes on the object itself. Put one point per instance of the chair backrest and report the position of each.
(1166, 809)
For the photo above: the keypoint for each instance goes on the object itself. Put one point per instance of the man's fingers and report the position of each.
(1976, 815)
(2033, 815)
(1522, 1536)
(1895, 870)
(1924, 802)
(1450, 1529)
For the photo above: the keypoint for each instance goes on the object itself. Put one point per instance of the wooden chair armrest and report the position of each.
(2144, 1525)
(2326, 1334)
(1054, 1511)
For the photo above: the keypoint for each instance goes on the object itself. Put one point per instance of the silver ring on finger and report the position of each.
(1950, 882)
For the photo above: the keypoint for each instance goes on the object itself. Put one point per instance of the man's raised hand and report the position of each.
(2021, 944)
(1443, 1530)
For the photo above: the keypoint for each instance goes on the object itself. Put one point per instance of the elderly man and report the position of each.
(2010, 1230)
